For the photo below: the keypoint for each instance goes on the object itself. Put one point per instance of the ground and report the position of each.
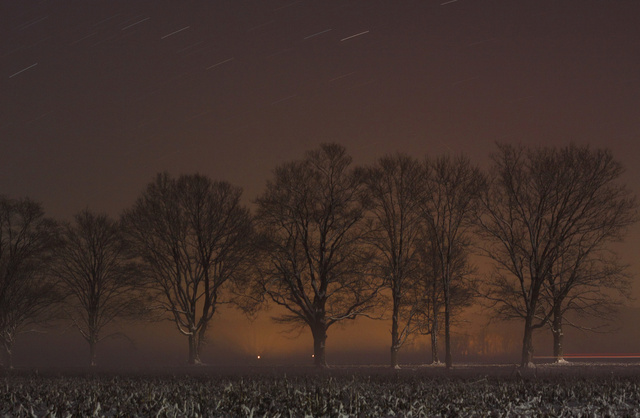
(501, 390)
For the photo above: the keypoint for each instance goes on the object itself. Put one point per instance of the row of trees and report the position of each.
(329, 242)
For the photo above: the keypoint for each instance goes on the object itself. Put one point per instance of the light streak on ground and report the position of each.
(23, 70)
(595, 356)
(353, 36)
(173, 33)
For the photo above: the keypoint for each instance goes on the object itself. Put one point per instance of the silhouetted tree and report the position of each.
(98, 276)
(396, 185)
(316, 261)
(588, 285)
(453, 189)
(429, 298)
(430, 290)
(548, 211)
(194, 237)
(27, 293)
(587, 277)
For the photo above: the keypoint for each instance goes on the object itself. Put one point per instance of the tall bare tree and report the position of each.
(194, 238)
(316, 261)
(547, 212)
(429, 298)
(449, 206)
(27, 293)
(588, 286)
(585, 264)
(97, 274)
(396, 184)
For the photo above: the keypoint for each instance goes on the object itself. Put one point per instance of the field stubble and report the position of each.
(467, 390)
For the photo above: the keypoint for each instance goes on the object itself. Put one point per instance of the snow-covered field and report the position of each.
(574, 389)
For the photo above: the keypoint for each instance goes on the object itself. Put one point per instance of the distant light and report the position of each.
(258, 357)
(313, 355)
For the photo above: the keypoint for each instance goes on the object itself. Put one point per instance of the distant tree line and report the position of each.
(329, 242)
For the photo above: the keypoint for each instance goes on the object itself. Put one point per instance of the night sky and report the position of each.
(97, 96)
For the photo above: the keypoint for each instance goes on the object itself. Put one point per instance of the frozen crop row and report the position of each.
(334, 396)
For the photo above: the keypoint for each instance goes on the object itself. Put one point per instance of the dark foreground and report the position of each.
(567, 390)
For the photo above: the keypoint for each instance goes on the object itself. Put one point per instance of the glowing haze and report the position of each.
(97, 97)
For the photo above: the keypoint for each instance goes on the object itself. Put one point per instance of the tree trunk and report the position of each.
(434, 347)
(527, 344)
(395, 343)
(202, 340)
(207, 312)
(448, 360)
(558, 336)
(7, 354)
(394, 358)
(447, 329)
(92, 352)
(319, 341)
(435, 358)
(194, 354)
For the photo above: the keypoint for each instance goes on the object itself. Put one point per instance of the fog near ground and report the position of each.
(237, 341)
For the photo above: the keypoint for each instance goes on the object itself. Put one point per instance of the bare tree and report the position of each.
(193, 236)
(98, 276)
(449, 205)
(429, 298)
(587, 277)
(396, 184)
(589, 286)
(27, 293)
(547, 212)
(316, 262)
(517, 236)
